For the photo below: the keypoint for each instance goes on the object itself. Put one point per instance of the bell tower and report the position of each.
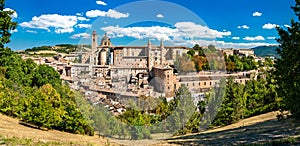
(94, 47)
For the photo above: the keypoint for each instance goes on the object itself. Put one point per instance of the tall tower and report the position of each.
(149, 55)
(162, 52)
(94, 47)
(162, 43)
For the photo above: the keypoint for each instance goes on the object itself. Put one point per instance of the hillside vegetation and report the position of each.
(265, 51)
(14, 133)
(63, 48)
(35, 94)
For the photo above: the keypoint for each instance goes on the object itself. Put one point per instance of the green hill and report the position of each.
(263, 51)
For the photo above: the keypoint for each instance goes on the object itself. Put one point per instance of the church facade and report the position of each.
(143, 57)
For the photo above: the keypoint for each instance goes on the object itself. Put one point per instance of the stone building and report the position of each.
(122, 72)
(145, 57)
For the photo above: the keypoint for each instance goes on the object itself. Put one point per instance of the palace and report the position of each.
(109, 65)
(122, 72)
(140, 57)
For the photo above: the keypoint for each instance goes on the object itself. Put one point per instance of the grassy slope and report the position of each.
(259, 129)
(13, 133)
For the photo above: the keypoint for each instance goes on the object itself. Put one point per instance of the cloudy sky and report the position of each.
(230, 23)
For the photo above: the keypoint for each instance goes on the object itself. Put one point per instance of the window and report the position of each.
(204, 83)
(193, 84)
(210, 83)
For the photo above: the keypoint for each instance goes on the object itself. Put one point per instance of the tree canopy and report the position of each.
(288, 66)
(35, 93)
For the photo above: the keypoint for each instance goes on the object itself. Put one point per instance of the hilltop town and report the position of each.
(113, 74)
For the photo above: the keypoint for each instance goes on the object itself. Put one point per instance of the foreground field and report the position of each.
(13, 133)
(262, 129)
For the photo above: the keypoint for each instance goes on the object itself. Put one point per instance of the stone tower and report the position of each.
(149, 55)
(94, 48)
(162, 52)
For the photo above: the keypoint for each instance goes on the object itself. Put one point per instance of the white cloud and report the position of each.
(271, 38)
(141, 32)
(80, 35)
(101, 3)
(235, 38)
(287, 26)
(115, 14)
(60, 23)
(256, 38)
(244, 26)
(269, 26)
(222, 44)
(95, 13)
(182, 32)
(193, 30)
(110, 13)
(83, 19)
(78, 14)
(64, 30)
(256, 14)
(14, 15)
(13, 31)
(160, 16)
(31, 31)
(84, 25)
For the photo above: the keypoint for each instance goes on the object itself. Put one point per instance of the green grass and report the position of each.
(14, 141)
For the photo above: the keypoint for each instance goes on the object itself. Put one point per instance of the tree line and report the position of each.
(35, 94)
(222, 106)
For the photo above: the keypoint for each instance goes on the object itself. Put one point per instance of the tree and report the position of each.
(200, 62)
(45, 109)
(191, 52)
(6, 24)
(288, 66)
(45, 74)
(199, 49)
(185, 108)
(232, 107)
(184, 64)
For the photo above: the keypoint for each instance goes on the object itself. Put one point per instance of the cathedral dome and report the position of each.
(105, 40)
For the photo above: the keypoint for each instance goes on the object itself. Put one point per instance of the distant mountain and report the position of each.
(263, 51)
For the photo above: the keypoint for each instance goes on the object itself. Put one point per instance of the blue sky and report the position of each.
(230, 23)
